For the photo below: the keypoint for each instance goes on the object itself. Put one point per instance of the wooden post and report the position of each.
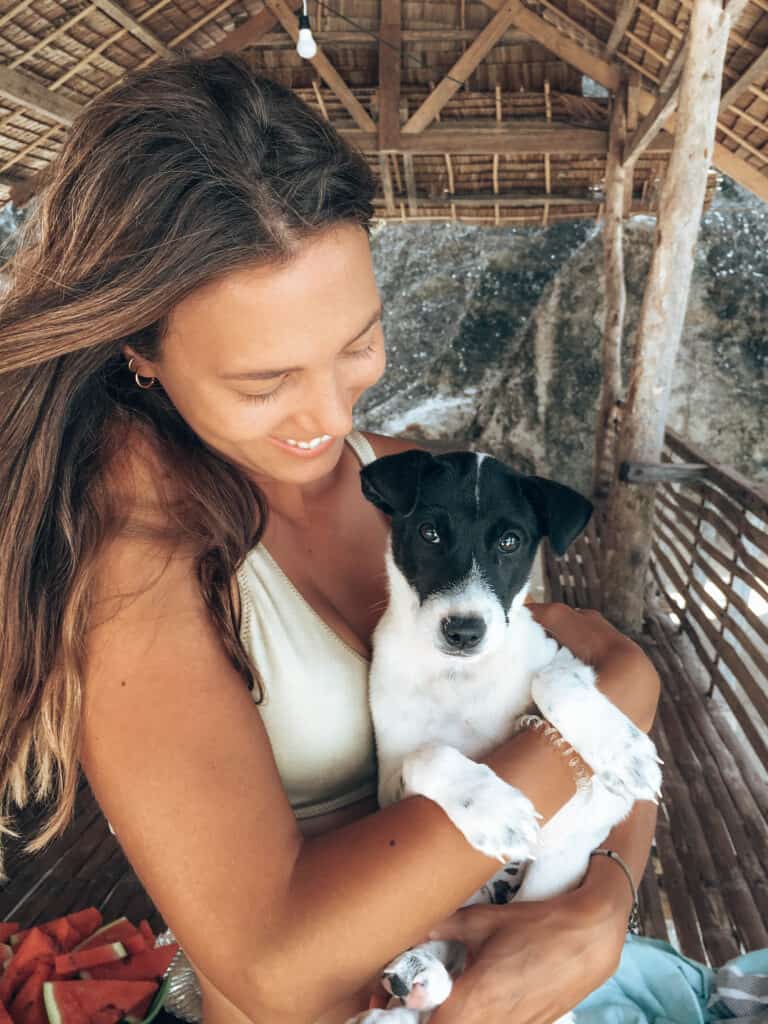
(615, 294)
(630, 506)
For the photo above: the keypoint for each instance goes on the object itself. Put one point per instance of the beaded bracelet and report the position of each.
(634, 916)
(561, 745)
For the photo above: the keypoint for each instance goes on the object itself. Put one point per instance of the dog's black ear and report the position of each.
(562, 512)
(392, 482)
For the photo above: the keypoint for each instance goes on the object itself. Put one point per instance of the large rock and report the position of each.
(495, 336)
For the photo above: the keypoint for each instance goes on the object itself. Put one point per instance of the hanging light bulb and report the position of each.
(306, 47)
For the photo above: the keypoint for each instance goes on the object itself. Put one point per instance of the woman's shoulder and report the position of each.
(383, 445)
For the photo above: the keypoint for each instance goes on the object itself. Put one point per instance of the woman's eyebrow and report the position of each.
(269, 374)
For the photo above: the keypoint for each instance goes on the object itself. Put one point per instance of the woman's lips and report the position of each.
(303, 453)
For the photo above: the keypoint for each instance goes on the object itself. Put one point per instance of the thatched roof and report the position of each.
(507, 137)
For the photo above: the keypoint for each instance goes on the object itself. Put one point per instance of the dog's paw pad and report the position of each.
(418, 978)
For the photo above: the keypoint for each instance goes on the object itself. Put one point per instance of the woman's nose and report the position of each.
(326, 409)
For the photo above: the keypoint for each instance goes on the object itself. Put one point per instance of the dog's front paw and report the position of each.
(495, 818)
(397, 1015)
(622, 757)
(418, 977)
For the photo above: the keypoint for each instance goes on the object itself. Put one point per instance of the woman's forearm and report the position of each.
(631, 839)
(407, 867)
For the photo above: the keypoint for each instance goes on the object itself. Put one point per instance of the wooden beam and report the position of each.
(518, 198)
(666, 101)
(633, 92)
(410, 184)
(631, 509)
(554, 40)
(385, 173)
(420, 36)
(390, 72)
(612, 388)
(327, 71)
(746, 174)
(757, 69)
(122, 17)
(247, 34)
(510, 138)
(463, 67)
(624, 15)
(29, 93)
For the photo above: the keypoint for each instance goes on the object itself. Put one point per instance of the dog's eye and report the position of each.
(429, 533)
(509, 541)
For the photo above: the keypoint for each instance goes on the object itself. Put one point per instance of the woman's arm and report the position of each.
(406, 848)
(178, 758)
(533, 962)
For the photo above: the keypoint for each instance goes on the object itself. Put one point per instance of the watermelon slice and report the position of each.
(146, 930)
(151, 964)
(6, 952)
(116, 931)
(35, 948)
(93, 1002)
(136, 943)
(5, 1017)
(144, 1013)
(71, 963)
(7, 929)
(67, 931)
(27, 1006)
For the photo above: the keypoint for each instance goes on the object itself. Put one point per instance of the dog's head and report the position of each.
(465, 529)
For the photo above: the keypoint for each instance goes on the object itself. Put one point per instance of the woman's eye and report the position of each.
(509, 542)
(361, 353)
(428, 533)
(265, 396)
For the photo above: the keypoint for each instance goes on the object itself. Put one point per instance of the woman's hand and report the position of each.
(625, 673)
(533, 962)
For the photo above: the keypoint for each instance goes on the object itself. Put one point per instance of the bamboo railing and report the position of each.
(710, 563)
(706, 629)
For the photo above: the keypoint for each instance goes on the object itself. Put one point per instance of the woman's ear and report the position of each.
(392, 482)
(562, 512)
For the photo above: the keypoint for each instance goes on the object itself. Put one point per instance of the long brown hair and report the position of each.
(183, 172)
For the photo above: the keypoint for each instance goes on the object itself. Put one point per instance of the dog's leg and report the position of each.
(622, 757)
(495, 818)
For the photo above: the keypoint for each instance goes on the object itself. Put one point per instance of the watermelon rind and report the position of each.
(54, 1017)
(157, 1004)
(121, 926)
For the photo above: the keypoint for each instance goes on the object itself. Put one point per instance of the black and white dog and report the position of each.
(458, 659)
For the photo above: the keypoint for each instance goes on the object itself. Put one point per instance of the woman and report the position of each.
(191, 319)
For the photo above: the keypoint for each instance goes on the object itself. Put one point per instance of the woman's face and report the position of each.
(270, 357)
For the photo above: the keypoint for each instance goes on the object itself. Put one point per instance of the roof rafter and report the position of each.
(249, 32)
(463, 67)
(122, 17)
(757, 69)
(552, 39)
(666, 101)
(608, 76)
(624, 16)
(30, 93)
(328, 72)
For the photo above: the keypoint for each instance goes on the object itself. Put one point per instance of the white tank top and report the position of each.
(315, 707)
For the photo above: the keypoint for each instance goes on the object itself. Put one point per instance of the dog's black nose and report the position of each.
(463, 633)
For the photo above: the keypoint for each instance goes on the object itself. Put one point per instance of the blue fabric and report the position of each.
(657, 985)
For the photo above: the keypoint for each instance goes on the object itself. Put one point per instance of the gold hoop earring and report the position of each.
(137, 377)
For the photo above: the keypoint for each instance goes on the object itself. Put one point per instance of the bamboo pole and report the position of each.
(630, 507)
(612, 390)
